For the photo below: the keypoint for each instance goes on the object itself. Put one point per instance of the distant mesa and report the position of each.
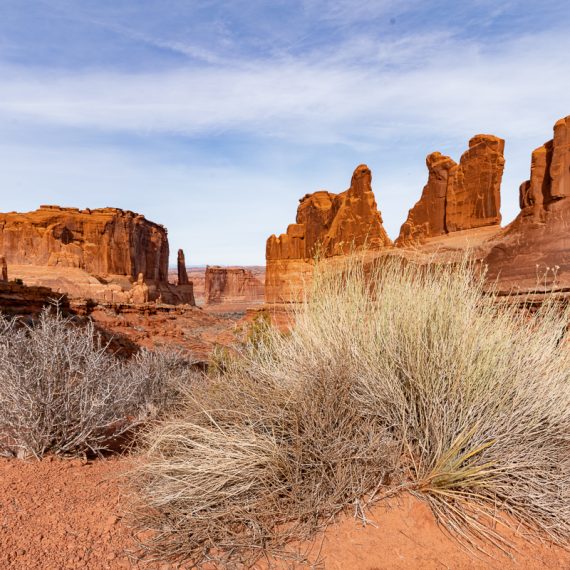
(232, 286)
(98, 254)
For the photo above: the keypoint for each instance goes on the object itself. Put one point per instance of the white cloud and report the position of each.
(516, 89)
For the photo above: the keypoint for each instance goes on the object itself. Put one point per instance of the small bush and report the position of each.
(62, 392)
(393, 377)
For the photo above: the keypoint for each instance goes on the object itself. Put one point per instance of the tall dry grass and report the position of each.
(393, 377)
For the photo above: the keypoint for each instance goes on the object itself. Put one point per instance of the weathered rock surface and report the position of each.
(327, 225)
(17, 299)
(102, 242)
(333, 224)
(533, 252)
(182, 273)
(232, 286)
(88, 253)
(458, 197)
(139, 291)
(4, 266)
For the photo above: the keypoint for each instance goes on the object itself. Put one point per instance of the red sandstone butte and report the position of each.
(533, 251)
(327, 225)
(232, 286)
(88, 253)
(460, 196)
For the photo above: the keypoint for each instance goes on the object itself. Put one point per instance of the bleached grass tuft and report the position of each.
(394, 376)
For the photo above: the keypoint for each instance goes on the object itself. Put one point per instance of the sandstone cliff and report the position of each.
(232, 286)
(533, 252)
(333, 224)
(102, 242)
(460, 196)
(327, 225)
(88, 253)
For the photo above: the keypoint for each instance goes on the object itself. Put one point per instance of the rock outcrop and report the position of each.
(460, 196)
(232, 286)
(18, 299)
(139, 293)
(533, 251)
(4, 266)
(103, 242)
(88, 253)
(333, 224)
(327, 225)
(182, 273)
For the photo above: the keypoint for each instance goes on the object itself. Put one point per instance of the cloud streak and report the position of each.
(516, 90)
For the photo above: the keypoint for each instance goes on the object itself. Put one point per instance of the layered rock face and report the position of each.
(102, 242)
(533, 252)
(333, 224)
(91, 253)
(327, 225)
(460, 196)
(232, 286)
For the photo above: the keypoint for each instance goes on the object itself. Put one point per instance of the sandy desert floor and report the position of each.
(66, 514)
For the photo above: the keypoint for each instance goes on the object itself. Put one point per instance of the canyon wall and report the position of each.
(100, 253)
(458, 197)
(102, 242)
(327, 225)
(533, 251)
(458, 212)
(232, 286)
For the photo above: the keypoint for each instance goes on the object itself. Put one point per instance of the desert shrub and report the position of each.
(62, 392)
(394, 377)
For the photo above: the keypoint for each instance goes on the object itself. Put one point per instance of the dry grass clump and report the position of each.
(396, 375)
(62, 392)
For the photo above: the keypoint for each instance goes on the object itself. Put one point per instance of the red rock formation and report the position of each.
(139, 293)
(460, 196)
(327, 225)
(182, 273)
(533, 252)
(232, 286)
(4, 266)
(90, 253)
(333, 224)
(17, 299)
(102, 242)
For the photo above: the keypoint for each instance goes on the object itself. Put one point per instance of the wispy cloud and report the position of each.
(514, 90)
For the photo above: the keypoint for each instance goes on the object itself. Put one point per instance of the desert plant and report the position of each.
(62, 392)
(394, 375)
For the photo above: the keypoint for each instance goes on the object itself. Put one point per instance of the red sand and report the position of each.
(65, 514)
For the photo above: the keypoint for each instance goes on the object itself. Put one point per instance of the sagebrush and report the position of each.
(394, 377)
(62, 392)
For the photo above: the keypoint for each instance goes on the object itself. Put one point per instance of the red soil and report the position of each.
(66, 514)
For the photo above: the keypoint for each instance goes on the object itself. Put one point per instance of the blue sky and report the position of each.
(214, 118)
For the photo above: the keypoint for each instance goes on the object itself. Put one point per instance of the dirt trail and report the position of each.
(65, 514)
